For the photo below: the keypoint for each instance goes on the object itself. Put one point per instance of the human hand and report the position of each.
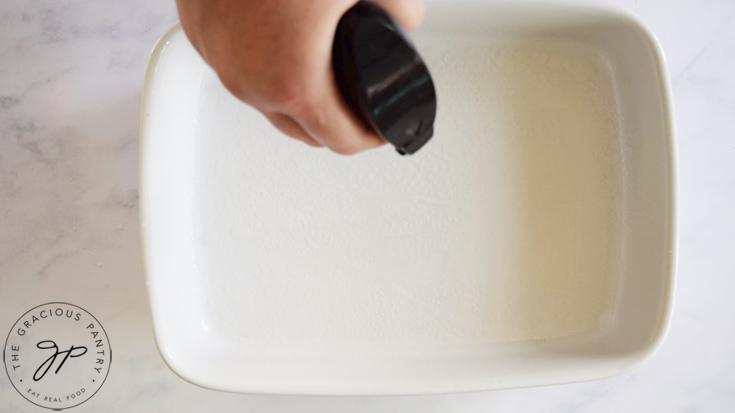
(276, 56)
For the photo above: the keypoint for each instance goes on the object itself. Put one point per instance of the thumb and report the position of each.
(409, 13)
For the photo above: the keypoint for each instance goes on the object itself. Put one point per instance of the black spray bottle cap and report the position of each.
(382, 77)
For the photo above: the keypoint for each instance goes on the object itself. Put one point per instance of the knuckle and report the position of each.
(231, 84)
(287, 95)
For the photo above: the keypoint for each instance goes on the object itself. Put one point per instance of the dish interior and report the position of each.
(526, 244)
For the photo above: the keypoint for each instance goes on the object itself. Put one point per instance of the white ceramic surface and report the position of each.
(529, 243)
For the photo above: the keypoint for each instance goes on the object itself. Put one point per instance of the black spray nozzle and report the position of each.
(382, 77)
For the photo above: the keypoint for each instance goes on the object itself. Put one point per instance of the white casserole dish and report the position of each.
(530, 242)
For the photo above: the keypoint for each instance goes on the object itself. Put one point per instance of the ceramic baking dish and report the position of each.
(530, 242)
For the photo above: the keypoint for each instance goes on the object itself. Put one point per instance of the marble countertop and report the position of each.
(71, 74)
